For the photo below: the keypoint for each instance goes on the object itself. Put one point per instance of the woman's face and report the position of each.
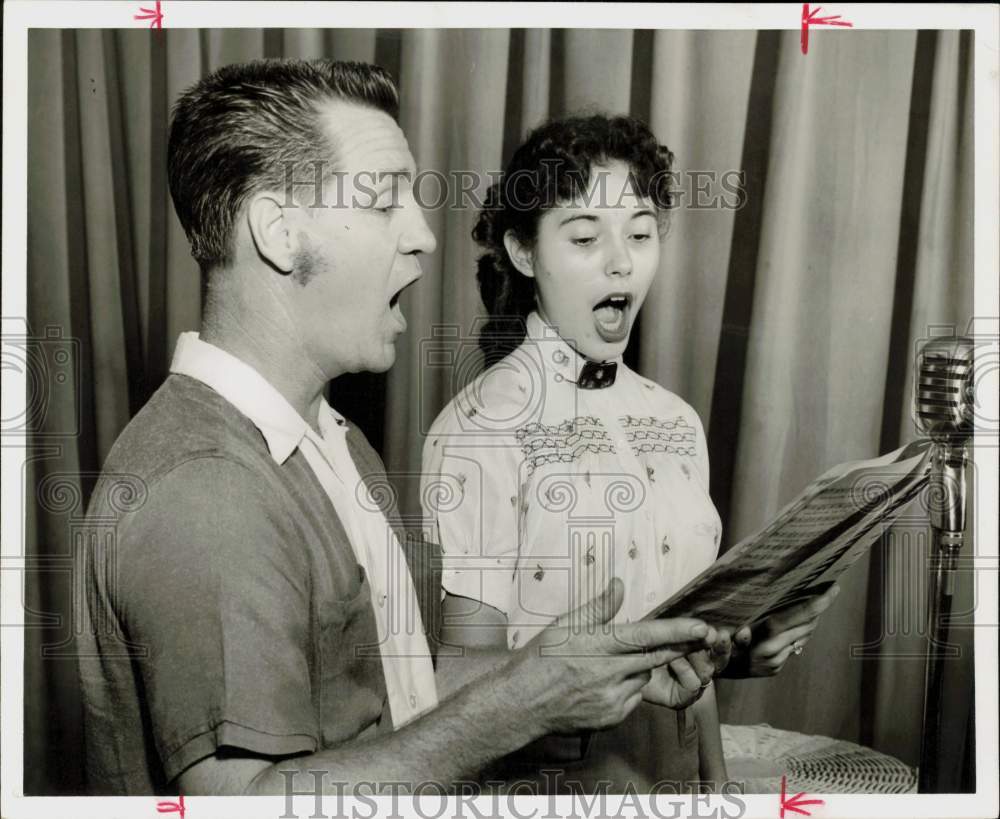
(593, 263)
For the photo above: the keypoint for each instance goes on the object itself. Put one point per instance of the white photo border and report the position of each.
(20, 16)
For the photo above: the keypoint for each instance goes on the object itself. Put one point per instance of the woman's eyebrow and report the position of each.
(587, 216)
(643, 212)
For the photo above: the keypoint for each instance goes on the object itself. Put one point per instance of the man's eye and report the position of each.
(583, 241)
(641, 237)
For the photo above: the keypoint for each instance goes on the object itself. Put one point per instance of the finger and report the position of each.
(743, 636)
(720, 655)
(723, 646)
(660, 633)
(703, 666)
(829, 596)
(821, 603)
(604, 607)
(804, 612)
(632, 703)
(721, 662)
(778, 661)
(780, 642)
(636, 682)
(662, 656)
(682, 671)
(599, 609)
(647, 660)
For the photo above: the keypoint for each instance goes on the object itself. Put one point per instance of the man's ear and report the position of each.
(272, 234)
(520, 256)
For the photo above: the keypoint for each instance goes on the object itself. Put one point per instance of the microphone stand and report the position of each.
(947, 494)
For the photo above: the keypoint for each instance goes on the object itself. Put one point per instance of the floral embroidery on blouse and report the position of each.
(567, 442)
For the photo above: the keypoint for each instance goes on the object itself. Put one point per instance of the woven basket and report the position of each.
(758, 756)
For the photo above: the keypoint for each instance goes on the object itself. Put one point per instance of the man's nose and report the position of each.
(417, 237)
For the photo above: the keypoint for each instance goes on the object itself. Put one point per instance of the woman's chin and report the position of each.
(600, 350)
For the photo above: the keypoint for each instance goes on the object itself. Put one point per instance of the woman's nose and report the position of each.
(619, 262)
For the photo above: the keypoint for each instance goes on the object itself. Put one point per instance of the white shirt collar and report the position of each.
(557, 354)
(247, 390)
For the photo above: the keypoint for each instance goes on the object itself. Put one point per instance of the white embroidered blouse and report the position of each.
(541, 491)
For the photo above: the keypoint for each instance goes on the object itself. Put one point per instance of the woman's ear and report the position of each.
(520, 256)
(272, 234)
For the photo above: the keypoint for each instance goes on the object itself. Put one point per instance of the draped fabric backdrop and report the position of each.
(789, 324)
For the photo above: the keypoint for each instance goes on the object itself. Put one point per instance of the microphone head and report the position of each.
(944, 389)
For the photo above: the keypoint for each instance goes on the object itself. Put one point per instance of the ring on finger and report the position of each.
(797, 648)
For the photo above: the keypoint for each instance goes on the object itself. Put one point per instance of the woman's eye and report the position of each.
(583, 241)
(640, 237)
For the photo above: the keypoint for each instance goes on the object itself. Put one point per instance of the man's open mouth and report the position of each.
(394, 305)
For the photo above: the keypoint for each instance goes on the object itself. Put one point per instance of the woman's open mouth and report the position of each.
(611, 317)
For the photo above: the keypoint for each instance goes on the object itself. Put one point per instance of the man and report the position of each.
(243, 620)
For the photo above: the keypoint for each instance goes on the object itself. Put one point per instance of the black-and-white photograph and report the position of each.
(458, 415)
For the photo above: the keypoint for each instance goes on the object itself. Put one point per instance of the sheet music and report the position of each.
(813, 540)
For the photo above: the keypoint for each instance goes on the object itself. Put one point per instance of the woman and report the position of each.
(559, 466)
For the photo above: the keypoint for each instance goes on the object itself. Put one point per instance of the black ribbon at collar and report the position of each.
(596, 376)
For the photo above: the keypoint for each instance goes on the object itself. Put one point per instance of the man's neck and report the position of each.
(271, 349)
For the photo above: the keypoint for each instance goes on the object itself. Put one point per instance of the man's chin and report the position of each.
(384, 362)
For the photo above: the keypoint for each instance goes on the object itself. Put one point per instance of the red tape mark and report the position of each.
(156, 15)
(172, 807)
(809, 18)
(795, 803)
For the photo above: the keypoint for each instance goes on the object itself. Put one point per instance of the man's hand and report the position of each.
(763, 650)
(582, 673)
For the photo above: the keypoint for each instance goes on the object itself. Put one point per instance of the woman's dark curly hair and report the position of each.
(552, 167)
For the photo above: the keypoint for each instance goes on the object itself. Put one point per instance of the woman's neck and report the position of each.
(567, 342)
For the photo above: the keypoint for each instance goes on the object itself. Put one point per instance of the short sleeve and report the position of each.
(470, 498)
(215, 590)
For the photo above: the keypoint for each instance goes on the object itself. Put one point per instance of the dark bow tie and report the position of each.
(596, 376)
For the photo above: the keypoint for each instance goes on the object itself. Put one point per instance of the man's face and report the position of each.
(356, 255)
(594, 262)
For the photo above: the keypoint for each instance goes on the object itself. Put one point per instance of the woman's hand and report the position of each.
(763, 650)
(680, 682)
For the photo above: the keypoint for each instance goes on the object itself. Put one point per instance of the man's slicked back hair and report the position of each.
(253, 126)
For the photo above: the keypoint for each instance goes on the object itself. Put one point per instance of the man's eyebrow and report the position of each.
(388, 177)
(643, 212)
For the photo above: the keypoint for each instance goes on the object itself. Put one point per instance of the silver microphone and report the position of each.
(944, 389)
(943, 410)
